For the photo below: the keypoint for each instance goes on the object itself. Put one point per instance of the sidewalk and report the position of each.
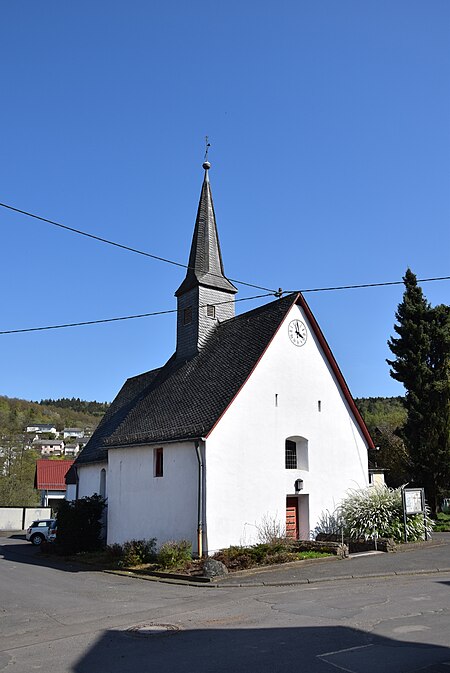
(428, 557)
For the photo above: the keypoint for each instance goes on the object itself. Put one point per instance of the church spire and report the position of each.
(205, 259)
(206, 296)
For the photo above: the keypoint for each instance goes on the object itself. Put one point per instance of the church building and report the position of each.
(250, 422)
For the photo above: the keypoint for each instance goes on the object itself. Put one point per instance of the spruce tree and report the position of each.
(436, 458)
(422, 364)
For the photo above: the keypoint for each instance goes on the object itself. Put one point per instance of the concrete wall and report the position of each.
(19, 518)
(247, 481)
(142, 506)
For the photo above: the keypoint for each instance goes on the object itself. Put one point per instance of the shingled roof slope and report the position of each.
(129, 394)
(185, 400)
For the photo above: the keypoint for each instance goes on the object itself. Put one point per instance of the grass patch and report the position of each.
(442, 523)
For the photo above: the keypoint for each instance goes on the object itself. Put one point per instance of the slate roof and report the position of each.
(205, 266)
(185, 400)
(50, 474)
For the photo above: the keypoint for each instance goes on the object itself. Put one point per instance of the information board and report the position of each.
(413, 500)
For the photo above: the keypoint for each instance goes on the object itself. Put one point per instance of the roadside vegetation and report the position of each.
(374, 512)
(176, 556)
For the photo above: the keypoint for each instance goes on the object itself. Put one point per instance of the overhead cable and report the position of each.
(362, 285)
(124, 247)
(126, 317)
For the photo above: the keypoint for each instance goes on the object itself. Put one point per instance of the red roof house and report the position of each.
(50, 480)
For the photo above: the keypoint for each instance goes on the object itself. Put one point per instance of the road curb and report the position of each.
(288, 583)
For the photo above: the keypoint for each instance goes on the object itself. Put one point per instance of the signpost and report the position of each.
(413, 503)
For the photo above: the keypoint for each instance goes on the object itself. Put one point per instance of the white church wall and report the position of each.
(89, 478)
(143, 506)
(247, 481)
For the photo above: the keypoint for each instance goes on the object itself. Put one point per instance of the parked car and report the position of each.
(37, 533)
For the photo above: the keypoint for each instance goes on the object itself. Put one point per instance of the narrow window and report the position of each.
(187, 315)
(211, 311)
(290, 455)
(102, 490)
(158, 461)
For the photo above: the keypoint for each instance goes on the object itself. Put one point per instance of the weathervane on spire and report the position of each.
(206, 164)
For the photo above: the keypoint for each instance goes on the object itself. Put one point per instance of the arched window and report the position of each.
(296, 454)
(102, 489)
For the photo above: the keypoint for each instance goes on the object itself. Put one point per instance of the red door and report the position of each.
(292, 518)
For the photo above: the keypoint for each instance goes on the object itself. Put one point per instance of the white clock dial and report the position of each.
(297, 332)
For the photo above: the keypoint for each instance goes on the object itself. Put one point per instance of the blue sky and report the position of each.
(330, 131)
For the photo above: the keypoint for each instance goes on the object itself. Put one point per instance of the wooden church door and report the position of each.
(292, 518)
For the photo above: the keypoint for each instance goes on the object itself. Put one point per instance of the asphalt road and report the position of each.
(63, 619)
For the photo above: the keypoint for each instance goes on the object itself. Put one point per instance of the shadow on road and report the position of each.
(309, 650)
(27, 553)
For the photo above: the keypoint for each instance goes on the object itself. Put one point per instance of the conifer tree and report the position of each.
(422, 364)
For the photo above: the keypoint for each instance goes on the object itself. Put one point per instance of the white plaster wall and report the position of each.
(71, 492)
(141, 506)
(89, 478)
(245, 470)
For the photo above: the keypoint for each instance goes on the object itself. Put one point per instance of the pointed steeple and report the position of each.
(205, 296)
(205, 259)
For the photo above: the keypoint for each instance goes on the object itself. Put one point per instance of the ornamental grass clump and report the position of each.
(377, 511)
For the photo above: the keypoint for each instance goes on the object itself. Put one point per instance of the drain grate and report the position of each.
(153, 629)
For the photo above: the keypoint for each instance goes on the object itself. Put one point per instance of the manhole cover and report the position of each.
(152, 629)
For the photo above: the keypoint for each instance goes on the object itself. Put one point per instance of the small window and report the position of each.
(158, 462)
(291, 455)
(187, 315)
(102, 490)
(211, 311)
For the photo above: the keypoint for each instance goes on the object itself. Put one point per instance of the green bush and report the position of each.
(138, 552)
(173, 554)
(80, 525)
(279, 551)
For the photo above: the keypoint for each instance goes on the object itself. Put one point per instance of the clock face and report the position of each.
(297, 332)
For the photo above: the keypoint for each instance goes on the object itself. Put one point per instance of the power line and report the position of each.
(362, 285)
(122, 246)
(126, 317)
(185, 266)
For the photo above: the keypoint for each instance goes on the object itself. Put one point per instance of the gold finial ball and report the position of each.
(206, 165)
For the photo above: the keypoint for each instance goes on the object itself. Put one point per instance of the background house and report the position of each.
(41, 428)
(50, 480)
(49, 447)
(77, 433)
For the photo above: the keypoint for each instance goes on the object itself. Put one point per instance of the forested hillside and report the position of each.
(382, 411)
(17, 457)
(16, 414)
(385, 417)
